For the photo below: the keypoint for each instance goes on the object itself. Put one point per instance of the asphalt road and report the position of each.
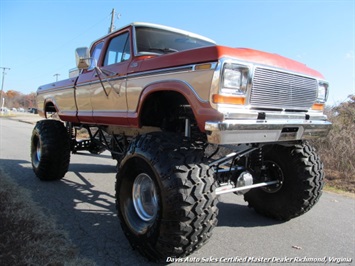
(83, 204)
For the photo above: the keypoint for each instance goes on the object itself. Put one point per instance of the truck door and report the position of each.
(85, 85)
(108, 96)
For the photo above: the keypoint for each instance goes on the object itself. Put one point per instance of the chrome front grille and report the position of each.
(275, 89)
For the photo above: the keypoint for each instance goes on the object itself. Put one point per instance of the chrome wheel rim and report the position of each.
(145, 198)
(38, 151)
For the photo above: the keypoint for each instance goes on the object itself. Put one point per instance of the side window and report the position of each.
(118, 50)
(95, 55)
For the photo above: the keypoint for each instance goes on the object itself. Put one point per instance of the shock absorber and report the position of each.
(71, 133)
(257, 163)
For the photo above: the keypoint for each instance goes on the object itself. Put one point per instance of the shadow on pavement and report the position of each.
(86, 210)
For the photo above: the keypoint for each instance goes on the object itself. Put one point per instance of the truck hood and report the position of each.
(215, 53)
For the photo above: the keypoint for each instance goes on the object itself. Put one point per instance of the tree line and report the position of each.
(337, 149)
(16, 99)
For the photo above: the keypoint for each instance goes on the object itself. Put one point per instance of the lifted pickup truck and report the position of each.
(187, 120)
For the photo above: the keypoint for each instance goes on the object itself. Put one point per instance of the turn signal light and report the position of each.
(203, 66)
(217, 98)
(318, 106)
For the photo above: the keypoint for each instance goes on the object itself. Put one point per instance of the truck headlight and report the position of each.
(322, 92)
(234, 79)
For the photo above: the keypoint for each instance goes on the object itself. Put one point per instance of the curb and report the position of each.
(24, 119)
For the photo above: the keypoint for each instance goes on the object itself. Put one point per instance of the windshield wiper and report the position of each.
(164, 50)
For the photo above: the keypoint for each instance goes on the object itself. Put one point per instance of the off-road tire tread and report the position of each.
(187, 193)
(302, 188)
(55, 145)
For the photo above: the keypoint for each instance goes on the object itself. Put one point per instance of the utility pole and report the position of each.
(2, 87)
(56, 76)
(112, 26)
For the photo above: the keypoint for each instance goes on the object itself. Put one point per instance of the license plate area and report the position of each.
(289, 133)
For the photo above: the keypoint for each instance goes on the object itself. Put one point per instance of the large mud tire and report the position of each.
(181, 191)
(50, 150)
(301, 171)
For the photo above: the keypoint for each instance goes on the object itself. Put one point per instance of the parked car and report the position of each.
(32, 110)
(4, 110)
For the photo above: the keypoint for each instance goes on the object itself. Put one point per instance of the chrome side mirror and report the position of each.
(83, 59)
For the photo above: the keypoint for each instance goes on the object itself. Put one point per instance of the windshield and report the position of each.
(159, 41)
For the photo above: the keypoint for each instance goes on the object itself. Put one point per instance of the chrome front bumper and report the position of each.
(257, 131)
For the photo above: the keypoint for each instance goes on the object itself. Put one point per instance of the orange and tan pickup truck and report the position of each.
(187, 120)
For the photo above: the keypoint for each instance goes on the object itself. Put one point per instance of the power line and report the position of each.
(83, 32)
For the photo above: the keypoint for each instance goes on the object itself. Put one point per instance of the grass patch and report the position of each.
(6, 115)
(335, 190)
(339, 181)
(27, 235)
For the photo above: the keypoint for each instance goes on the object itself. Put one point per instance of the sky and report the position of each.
(38, 37)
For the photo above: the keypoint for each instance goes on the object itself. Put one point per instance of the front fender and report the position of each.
(202, 109)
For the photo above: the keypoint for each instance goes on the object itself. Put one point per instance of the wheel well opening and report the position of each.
(164, 109)
(50, 108)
